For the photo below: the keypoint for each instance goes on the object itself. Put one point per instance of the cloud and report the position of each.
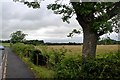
(37, 23)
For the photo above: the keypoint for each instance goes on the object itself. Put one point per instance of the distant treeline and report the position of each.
(38, 42)
(108, 42)
(70, 43)
(4, 41)
(34, 42)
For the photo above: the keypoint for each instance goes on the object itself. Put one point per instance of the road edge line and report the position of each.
(5, 67)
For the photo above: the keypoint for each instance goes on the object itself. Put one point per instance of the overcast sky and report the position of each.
(41, 24)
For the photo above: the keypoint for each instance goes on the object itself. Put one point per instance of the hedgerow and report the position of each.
(25, 50)
(100, 68)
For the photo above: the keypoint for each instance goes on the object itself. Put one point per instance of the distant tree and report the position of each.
(95, 18)
(34, 42)
(17, 36)
(107, 41)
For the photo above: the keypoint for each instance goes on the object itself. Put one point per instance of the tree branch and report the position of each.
(79, 18)
(114, 11)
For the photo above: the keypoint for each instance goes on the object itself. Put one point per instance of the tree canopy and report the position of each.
(17, 36)
(101, 16)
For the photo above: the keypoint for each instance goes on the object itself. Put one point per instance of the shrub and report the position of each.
(35, 55)
(102, 68)
(28, 50)
(18, 48)
(56, 56)
(68, 68)
(37, 58)
(22, 49)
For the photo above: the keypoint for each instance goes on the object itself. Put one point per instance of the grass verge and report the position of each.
(39, 71)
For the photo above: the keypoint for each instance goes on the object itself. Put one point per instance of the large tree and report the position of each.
(95, 18)
(17, 36)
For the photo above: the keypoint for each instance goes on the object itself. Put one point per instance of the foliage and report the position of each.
(75, 31)
(101, 20)
(59, 55)
(39, 71)
(34, 42)
(17, 36)
(35, 55)
(27, 53)
(38, 59)
(22, 49)
(68, 68)
(102, 68)
(54, 55)
(107, 41)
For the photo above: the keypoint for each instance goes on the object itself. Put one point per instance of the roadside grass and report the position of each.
(6, 44)
(39, 71)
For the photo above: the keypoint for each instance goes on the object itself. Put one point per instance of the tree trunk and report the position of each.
(89, 44)
(90, 39)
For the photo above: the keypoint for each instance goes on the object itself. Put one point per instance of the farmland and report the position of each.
(66, 66)
(77, 49)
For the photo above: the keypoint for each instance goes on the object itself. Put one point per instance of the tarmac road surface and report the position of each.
(16, 68)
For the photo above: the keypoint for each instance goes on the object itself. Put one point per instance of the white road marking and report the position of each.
(5, 65)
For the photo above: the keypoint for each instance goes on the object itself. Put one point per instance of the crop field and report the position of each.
(74, 49)
(77, 49)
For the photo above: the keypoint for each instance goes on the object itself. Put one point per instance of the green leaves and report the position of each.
(54, 6)
(68, 68)
(75, 31)
(100, 20)
(32, 4)
(17, 36)
(100, 68)
(102, 24)
(66, 11)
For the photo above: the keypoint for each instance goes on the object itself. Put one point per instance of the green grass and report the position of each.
(39, 71)
(6, 44)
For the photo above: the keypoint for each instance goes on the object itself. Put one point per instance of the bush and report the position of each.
(68, 68)
(35, 55)
(102, 68)
(37, 58)
(18, 48)
(28, 50)
(22, 49)
(56, 56)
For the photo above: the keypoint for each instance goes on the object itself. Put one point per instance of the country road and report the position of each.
(15, 67)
